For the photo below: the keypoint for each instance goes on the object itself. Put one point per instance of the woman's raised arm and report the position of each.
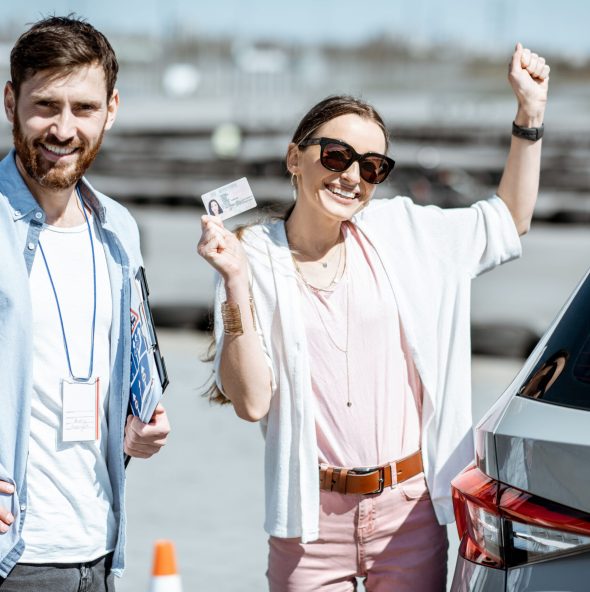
(519, 186)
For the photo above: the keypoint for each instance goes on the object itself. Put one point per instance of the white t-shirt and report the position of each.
(69, 515)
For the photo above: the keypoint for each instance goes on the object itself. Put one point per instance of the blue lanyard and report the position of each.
(61, 321)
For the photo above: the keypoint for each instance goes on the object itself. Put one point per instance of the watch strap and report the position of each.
(528, 133)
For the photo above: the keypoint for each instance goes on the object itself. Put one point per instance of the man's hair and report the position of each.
(61, 44)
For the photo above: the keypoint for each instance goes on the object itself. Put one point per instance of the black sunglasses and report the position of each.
(337, 156)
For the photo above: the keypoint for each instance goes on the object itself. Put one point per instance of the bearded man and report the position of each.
(68, 254)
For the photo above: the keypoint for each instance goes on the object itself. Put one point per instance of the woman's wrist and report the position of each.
(530, 116)
(237, 288)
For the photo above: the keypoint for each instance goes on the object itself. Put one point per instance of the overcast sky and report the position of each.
(548, 26)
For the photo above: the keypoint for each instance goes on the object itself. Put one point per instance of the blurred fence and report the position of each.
(195, 116)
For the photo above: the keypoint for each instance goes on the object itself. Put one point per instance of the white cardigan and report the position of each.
(430, 256)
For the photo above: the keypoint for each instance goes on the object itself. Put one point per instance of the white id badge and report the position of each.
(80, 410)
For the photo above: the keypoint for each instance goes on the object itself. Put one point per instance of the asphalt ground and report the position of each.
(204, 491)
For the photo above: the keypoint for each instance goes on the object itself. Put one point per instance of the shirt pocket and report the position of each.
(415, 488)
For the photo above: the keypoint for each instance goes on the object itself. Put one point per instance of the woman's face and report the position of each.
(335, 195)
(214, 207)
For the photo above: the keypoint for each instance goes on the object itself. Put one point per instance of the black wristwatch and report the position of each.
(528, 133)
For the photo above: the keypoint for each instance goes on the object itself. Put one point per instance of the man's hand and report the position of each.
(6, 517)
(529, 77)
(143, 440)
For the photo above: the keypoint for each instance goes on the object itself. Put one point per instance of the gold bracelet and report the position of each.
(252, 312)
(232, 318)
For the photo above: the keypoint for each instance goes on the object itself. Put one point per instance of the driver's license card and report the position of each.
(231, 199)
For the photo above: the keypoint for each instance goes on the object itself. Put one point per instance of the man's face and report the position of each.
(58, 123)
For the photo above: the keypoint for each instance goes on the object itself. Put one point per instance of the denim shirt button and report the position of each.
(16, 213)
(31, 246)
(38, 215)
(23, 507)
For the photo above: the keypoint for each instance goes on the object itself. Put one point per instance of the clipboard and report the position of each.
(149, 377)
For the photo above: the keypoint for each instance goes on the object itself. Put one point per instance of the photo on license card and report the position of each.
(231, 199)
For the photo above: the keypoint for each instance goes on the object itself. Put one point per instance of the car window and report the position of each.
(582, 367)
(562, 374)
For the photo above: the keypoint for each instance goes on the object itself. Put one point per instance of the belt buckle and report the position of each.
(381, 479)
(380, 470)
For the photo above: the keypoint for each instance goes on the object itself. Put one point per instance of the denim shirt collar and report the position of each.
(21, 200)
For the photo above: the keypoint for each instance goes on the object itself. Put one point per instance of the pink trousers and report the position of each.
(392, 540)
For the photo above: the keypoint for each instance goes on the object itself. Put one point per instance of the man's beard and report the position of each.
(47, 174)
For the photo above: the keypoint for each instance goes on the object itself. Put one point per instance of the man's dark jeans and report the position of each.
(94, 576)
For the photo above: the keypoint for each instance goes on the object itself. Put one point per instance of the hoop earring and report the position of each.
(294, 185)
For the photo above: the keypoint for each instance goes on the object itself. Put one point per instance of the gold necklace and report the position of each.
(313, 296)
(334, 277)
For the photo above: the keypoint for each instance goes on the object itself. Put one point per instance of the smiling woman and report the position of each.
(344, 328)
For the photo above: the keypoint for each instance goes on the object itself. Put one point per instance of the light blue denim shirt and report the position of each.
(21, 220)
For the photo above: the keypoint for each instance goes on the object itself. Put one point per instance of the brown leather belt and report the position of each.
(371, 479)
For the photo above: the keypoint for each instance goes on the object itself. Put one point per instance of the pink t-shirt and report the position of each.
(383, 423)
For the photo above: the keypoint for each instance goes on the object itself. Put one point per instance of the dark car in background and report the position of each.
(523, 507)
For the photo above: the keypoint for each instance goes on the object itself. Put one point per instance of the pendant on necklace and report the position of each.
(324, 264)
(349, 404)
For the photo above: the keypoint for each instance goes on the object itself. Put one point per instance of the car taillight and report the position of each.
(501, 526)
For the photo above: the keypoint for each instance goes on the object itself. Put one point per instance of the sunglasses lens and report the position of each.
(336, 157)
(374, 169)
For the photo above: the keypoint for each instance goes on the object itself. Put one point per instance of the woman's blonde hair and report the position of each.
(332, 107)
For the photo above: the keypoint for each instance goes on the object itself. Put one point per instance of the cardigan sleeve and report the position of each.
(500, 242)
(469, 240)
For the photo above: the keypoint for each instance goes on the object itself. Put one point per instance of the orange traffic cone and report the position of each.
(165, 576)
